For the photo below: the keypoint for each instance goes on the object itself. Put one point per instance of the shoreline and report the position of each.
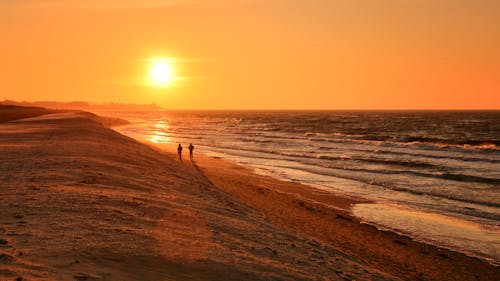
(393, 250)
(343, 202)
(83, 201)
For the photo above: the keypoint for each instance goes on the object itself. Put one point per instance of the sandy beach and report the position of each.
(80, 201)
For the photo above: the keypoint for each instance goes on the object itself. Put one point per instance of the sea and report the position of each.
(431, 175)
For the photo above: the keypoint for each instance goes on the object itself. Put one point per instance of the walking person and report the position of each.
(191, 148)
(179, 151)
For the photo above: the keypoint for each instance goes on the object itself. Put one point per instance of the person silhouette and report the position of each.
(191, 148)
(179, 151)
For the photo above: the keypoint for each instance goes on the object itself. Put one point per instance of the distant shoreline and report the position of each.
(109, 106)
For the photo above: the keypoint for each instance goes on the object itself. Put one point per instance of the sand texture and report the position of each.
(78, 201)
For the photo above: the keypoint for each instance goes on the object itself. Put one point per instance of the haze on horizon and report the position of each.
(260, 54)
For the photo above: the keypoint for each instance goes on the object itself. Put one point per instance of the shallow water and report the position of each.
(449, 231)
(441, 163)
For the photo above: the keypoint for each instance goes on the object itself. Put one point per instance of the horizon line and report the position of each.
(91, 103)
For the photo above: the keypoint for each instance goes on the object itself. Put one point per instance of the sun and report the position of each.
(161, 72)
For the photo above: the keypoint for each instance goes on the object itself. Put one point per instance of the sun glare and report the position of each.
(161, 72)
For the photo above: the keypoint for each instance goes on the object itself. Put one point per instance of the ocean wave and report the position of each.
(314, 134)
(301, 158)
(469, 178)
(474, 159)
(254, 140)
(392, 186)
(405, 163)
(478, 144)
(312, 154)
(427, 174)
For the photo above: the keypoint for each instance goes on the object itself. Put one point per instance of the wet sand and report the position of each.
(81, 202)
(326, 217)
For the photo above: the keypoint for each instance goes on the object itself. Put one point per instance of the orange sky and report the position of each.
(261, 54)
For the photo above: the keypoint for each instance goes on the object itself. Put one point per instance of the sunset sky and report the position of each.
(260, 54)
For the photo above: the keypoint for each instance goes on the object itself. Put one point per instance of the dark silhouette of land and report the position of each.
(13, 112)
(80, 105)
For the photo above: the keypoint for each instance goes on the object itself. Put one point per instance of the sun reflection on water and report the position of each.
(160, 132)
